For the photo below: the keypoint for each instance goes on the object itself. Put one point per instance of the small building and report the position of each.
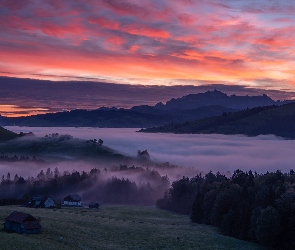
(22, 223)
(94, 205)
(72, 200)
(41, 202)
(48, 202)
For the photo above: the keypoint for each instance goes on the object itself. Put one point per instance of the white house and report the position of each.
(72, 200)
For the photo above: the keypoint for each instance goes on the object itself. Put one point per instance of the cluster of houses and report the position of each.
(27, 224)
(48, 202)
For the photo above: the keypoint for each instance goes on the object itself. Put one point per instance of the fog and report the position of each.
(204, 152)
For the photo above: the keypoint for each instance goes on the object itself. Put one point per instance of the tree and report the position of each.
(56, 173)
(268, 226)
(49, 174)
(15, 178)
(41, 175)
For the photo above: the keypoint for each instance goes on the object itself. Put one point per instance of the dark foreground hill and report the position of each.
(186, 108)
(277, 120)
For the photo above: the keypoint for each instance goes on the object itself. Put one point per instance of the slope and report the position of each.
(6, 135)
(277, 120)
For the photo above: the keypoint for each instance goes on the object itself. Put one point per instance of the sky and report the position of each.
(247, 43)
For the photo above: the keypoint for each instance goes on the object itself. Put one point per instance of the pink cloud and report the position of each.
(105, 23)
(169, 40)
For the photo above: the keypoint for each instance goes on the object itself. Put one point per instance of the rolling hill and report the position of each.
(57, 147)
(6, 135)
(61, 148)
(277, 120)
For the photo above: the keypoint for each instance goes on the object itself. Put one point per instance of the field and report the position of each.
(116, 227)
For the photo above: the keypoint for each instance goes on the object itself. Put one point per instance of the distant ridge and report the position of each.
(276, 120)
(187, 108)
(217, 98)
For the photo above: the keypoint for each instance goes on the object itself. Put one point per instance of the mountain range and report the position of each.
(177, 110)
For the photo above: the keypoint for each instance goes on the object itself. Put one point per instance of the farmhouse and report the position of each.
(41, 201)
(72, 200)
(22, 223)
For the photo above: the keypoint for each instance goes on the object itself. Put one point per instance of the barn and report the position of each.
(41, 202)
(72, 200)
(22, 223)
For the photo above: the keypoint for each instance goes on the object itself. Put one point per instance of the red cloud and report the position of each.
(105, 23)
(165, 39)
(145, 31)
(186, 18)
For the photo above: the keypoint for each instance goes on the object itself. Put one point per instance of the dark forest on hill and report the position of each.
(247, 206)
(264, 120)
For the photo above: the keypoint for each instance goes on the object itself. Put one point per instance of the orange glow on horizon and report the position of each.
(16, 111)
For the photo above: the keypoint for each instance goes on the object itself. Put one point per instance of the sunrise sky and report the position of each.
(151, 42)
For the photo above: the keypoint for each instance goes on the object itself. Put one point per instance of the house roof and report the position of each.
(47, 198)
(42, 199)
(19, 217)
(72, 197)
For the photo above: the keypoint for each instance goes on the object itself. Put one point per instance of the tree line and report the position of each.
(248, 206)
(101, 185)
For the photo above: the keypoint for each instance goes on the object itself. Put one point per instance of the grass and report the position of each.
(116, 227)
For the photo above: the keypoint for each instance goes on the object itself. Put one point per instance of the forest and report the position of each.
(248, 206)
(255, 207)
(144, 186)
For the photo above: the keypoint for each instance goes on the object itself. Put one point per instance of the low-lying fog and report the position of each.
(205, 152)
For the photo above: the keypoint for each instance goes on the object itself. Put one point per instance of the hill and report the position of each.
(59, 147)
(217, 98)
(136, 117)
(186, 108)
(277, 120)
(6, 135)
(116, 227)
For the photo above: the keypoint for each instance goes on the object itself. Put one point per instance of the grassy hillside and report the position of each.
(116, 227)
(59, 148)
(6, 135)
(277, 120)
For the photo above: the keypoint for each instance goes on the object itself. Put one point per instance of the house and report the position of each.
(48, 203)
(72, 200)
(41, 201)
(94, 205)
(22, 223)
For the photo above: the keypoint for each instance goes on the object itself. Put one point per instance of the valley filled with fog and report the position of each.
(203, 152)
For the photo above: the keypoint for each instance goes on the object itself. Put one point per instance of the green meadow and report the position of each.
(116, 227)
